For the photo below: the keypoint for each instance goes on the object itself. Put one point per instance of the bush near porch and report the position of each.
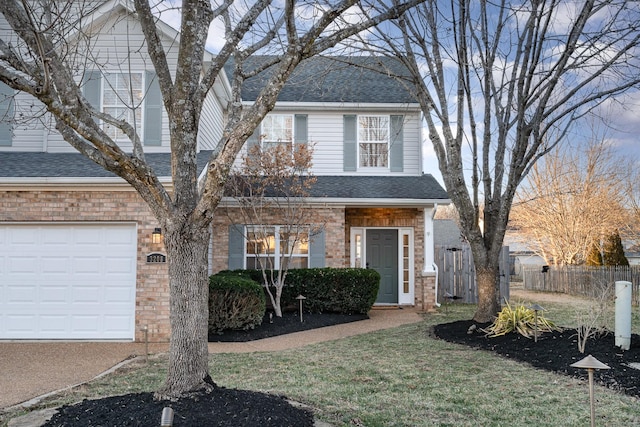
(339, 290)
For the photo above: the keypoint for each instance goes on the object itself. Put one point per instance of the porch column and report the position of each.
(429, 250)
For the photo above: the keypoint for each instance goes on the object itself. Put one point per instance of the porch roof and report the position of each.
(73, 168)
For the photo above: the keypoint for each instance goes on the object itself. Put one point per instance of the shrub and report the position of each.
(341, 290)
(521, 320)
(235, 302)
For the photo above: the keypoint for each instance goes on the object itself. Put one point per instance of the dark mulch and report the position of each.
(287, 324)
(222, 407)
(555, 351)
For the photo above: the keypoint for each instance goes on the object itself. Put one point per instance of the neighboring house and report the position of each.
(77, 258)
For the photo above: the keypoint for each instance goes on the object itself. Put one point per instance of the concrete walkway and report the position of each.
(29, 370)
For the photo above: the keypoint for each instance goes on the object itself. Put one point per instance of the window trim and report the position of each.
(263, 139)
(359, 142)
(276, 254)
(139, 107)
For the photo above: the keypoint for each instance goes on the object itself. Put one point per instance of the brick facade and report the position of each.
(338, 223)
(152, 280)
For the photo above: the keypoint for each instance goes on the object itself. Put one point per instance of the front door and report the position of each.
(382, 256)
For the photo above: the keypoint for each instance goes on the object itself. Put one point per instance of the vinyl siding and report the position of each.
(117, 39)
(326, 133)
(211, 123)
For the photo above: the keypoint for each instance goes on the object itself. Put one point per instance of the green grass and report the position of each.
(400, 377)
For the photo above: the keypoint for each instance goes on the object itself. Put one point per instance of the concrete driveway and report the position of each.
(31, 369)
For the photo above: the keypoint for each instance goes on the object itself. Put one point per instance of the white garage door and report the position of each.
(67, 281)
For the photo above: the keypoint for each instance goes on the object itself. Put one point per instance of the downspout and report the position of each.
(435, 267)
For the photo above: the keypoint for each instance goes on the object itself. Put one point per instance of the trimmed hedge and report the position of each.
(341, 290)
(235, 302)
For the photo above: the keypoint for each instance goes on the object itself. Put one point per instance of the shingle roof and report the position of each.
(335, 79)
(379, 187)
(74, 165)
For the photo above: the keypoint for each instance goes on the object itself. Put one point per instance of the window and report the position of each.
(277, 129)
(122, 95)
(276, 247)
(373, 141)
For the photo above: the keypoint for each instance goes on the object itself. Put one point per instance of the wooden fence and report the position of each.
(457, 274)
(580, 280)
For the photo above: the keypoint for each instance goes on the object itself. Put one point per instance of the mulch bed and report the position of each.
(555, 351)
(222, 407)
(289, 322)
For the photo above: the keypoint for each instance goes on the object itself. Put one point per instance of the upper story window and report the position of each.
(122, 97)
(373, 141)
(277, 129)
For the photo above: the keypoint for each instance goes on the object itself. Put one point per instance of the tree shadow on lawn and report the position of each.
(222, 407)
(554, 351)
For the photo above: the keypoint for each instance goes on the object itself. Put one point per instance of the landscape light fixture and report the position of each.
(156, 236)
(301, 298)
(166, 420)
(536, 308)
(590, 363)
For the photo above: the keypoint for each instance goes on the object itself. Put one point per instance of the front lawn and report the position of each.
(400, 377)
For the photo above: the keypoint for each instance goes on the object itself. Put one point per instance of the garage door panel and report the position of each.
(88, 266)
(22, 266)
(55, 265)
(21, 323)
(53, 294)
(19, 294)
(54, 324)
(60, 281)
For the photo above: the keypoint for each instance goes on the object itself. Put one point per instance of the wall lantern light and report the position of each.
(156, 236)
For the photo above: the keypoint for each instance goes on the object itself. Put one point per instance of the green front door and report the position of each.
(382, 256)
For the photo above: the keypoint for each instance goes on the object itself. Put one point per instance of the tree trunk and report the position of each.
(188, 370)
(488, 294)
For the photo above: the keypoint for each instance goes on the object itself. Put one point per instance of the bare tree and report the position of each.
(500, 84)
(571, 200)
(50, 50)
(272, 187)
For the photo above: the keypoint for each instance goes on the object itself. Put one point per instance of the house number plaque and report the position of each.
(156, 258)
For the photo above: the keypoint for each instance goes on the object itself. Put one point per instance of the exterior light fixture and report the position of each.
(156, 236)
(301, 298)
(536, 308)
(590, 363)
(166, 419)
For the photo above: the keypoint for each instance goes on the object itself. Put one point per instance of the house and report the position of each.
(375, 203)
(78, 258)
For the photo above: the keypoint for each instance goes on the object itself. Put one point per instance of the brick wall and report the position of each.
(331, 219)
(152, 281)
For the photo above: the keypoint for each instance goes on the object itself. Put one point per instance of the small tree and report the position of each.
(273, 184)
(613, 251)
(594, 257)
(592, 320)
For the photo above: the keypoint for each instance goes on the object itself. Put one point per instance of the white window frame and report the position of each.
(135, 107)
(265, 142)
(276, 252)
(358, 256)
(362, 141)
